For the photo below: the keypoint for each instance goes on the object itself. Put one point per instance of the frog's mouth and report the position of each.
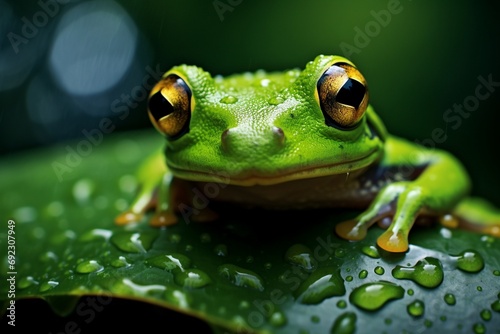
(255, 176)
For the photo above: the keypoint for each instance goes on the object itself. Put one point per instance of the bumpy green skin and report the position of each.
(266, 129)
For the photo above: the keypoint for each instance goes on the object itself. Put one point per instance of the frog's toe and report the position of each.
(351, 230)
(393, 241)
(128, 217)
(163, 218)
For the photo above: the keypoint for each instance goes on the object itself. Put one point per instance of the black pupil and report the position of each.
(159, 106)
(352, 93)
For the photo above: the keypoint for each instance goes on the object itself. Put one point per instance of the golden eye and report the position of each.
(169, 106)
(343, 95)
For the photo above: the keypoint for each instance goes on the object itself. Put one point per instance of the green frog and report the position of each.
(299, 139)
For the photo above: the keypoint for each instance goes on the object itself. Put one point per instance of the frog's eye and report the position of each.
(343, 95)
(169, 106)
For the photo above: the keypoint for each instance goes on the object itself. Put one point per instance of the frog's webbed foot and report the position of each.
(407, 201)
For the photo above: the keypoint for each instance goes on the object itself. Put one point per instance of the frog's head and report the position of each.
(267, 128)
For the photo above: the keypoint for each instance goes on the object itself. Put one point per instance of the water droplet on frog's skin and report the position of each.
(315, 319)
(469, 261)
(427, 272)
(372, 296)
(416, 308)
(496, 272)
(371, 251)
(278, 319)
(170, 262)
(379, 270)
(479, 328)
(192, 278)
(229, 99)
(241, 277)
(428, 323)
(344, 324)
(485, 315)
(89, 266)
(410, 292)
(363, 274)
(26, 282)
(388, 321)
(134, 242)
(449, 298)
(275, 100)
(349, 278)
(323, 283)
(301, 256)
(220, 250)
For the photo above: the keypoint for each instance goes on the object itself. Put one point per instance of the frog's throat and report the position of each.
(254, 176)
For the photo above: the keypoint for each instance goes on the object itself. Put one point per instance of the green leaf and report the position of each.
(250, 271)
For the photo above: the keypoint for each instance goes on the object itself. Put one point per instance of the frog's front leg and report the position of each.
(437, 189)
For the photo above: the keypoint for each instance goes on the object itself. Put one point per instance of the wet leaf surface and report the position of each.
(251, 271)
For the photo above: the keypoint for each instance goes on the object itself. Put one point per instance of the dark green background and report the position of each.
(426, 59)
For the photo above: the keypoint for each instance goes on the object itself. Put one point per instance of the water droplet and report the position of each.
(379, 270)
(170, 262)
(229, 99)
(410, 292)
(95, 234)
(344, 324)
(241, 277)
(315, 319)
(371, 251)
(45, 286)
(349, 278)
(220, 250)
(301, 256)
(278, 319)
(363, 274)
(121, 261)
(134, 242)
(496, 272)
(192, 278)
(372, 296)
(48, 257)
(341, 304)
(449, 298)
(469, 261)
(26, 282)
(275, 100)
(495, 306)
(89, 266)
(323, 283)
(442, 318)
(428, 323)
(142, 289)
(485, 315)
(427, 272)
(388, 321)
(479, 328)
(268, 265)
(340, 253)
(479, 288)
(416, 308)
(177, 297)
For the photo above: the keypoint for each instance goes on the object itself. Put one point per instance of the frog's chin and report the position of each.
(254, 177)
